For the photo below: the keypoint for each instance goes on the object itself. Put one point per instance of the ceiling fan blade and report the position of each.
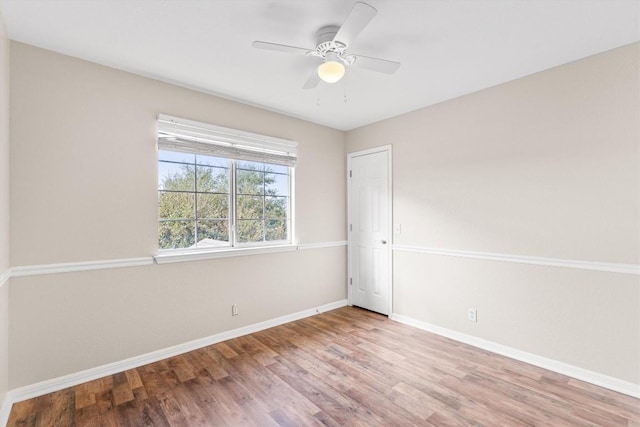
(313, 80)
(359, 17)
(280, 47)
(376, 64)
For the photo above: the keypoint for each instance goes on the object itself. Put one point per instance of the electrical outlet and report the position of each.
(234, 310)
(472, 315)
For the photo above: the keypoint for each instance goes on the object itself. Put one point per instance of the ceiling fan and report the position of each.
(331, 47)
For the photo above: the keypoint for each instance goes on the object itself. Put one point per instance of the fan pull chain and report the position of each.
(346, 80)
(317, 95)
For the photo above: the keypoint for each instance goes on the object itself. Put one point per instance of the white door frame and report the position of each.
(350, 156)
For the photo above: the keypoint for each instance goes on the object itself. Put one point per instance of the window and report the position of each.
(222, 188)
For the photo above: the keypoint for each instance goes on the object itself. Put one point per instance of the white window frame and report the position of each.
(182, 135)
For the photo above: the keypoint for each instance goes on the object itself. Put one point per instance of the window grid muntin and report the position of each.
(263, 196)
(233, 200)
(195, 218)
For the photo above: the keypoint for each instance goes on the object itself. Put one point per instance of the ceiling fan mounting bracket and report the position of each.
(326, 34)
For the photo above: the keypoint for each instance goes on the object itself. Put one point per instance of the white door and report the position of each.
(369, 229)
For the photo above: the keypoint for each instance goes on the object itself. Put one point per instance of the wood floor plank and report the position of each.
(133, 379)
(122, 392)
(229, 410)
(172, 410)
(181, 368)
(152, 380)
(129, 413)
(107, 416)
(211, 409)
(324, 373)
(252, 406)
(189, 407)
(205, 365)
(152, 414)
(347, 367)
(334, 406)
(24, 413)
(269, 388)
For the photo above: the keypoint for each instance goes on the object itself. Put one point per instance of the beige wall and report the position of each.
(84, 320)
(4, 208)
(84, 157)
(545, 166)
(84, 188)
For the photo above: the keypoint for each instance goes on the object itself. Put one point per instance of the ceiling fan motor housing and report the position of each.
(326, 43)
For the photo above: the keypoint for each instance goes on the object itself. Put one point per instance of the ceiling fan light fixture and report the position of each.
(332, 43)
(332, 70)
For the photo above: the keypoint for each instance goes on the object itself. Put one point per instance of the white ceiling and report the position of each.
(447, 48)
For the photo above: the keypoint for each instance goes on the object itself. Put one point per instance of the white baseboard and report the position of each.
(582, 374)
(55, 384)
(5, 410)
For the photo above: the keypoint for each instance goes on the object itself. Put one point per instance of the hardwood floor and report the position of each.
(347, 367)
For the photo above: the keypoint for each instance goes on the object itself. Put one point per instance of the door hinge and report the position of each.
(350, 281)
(350, 174)
(350, 227)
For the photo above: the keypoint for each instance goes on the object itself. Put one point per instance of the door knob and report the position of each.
(384, 242)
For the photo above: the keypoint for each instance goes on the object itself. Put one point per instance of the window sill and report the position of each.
(196, 255)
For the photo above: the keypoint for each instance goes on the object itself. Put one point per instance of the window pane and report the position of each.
(275, 207)
(174, 156)
(276, 184)
(175, 176)
(254, 166)
(275, 230)
(176, 205)
(249, 207)
(212, 161)
(249, 231)
(276, 168)
(176, 234)
(212, 180)
(213, 206)
(249, 182)
(202, 205)
(212, 234)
